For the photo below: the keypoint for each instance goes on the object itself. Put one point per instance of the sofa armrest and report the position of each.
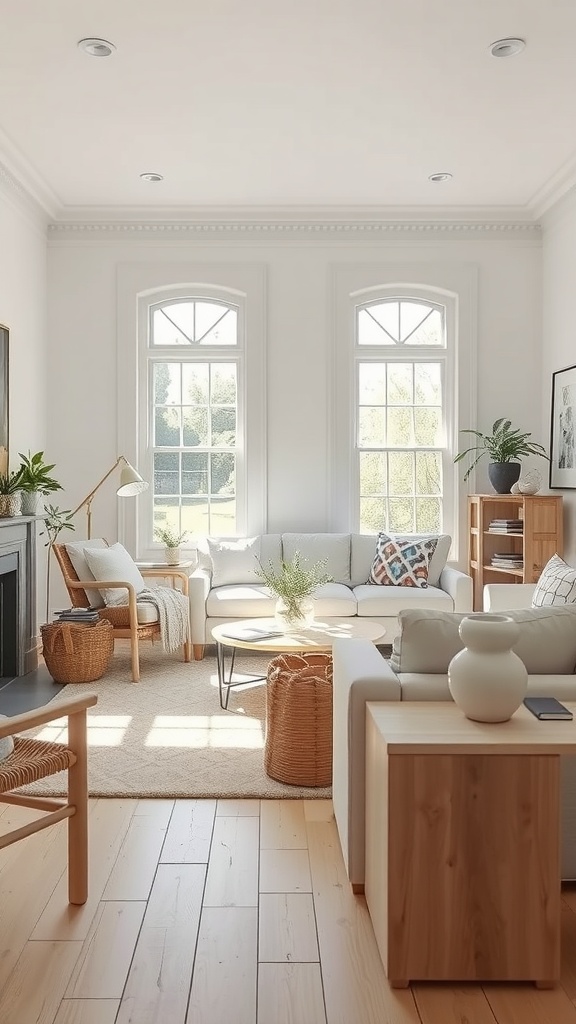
(360, 674)
(502, 597)
(460, 588)
(199, 584)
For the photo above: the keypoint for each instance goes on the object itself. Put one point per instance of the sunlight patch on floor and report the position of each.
(103, 730)
(200, 731)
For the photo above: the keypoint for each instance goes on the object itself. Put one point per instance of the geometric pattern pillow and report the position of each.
(557, 584)
(401, 563)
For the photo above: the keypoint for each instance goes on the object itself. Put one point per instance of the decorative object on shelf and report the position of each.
(55, 521)
(131, 484)
(293, 583)
(487, 680)
(171, 540)
(563, 420)
(504, 446)
(530, 482)
(35, 479)
(515, 489)
(10, 495)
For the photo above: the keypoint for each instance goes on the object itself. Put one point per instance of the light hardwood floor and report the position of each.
(218, 912)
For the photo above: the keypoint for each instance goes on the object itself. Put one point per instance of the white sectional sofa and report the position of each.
(225, 586)
(417, 671)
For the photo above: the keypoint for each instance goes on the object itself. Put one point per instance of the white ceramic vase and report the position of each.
(287, 619)
(487, 679)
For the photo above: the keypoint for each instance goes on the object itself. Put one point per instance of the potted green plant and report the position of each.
(10, 494)
(35, 479)
(293, 584)
(504, 446)
(171, 539)
(55, 520)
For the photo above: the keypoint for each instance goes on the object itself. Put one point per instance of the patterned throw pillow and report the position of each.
(557, 584)
(401, 563)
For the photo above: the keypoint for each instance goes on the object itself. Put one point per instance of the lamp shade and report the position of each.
(131, 483)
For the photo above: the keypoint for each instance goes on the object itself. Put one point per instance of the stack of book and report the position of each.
(88, 616)
(507, 560)
(506, 526)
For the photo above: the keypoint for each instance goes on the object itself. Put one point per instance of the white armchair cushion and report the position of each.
(234, 561)
(75, 551)
(556, 585)
(114, 563)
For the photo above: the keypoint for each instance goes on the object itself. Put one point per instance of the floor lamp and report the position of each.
(131, 483)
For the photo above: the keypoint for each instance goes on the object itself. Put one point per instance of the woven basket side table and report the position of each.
(75, 652)
(298, 746)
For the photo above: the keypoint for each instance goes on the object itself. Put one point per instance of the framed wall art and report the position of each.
(562, 429)
(3, 399)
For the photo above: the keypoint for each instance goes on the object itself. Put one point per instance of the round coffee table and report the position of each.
(318, 636)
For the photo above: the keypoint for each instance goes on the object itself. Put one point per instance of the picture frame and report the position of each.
(4, 393)
(563, 429)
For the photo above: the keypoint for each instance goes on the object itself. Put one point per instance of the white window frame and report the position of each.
(139, 288)
(454, 287)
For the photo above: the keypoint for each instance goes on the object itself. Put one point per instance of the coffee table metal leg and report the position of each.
(223, 684)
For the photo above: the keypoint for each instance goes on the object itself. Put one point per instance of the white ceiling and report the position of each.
(295, 103)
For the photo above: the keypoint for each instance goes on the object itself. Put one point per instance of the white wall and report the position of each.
(23, 311)
(300, 344)
(559, 332)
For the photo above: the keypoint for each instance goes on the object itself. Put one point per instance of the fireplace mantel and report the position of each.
(18, 537)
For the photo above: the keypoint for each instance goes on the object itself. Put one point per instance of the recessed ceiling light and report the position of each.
(151, 176)
(440, 176)
(97, 47)
(507, 47)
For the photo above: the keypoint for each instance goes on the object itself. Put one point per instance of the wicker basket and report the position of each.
(77, 653)
(298, 747)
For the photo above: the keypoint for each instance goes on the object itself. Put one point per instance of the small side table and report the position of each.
(462, 843)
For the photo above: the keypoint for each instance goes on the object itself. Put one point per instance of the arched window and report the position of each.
(195, 382)
(401, 404)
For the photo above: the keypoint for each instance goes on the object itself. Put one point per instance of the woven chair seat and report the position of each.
(32, 760)
(119, 616)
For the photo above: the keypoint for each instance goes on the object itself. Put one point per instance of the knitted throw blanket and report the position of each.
(173, 615)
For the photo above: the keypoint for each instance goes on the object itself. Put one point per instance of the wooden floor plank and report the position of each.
(282, 825)
(156, 812)
(355, 986)
(290, 994)
(318, 810)
(104, 961)
(285, 871)
(446, 1004)
(232, 879)
(237, 808)
(287, 928)
(159, 981)
(525, 1004)
(87, 1011)
(108, 824)
(224, 980)
(190, 833)
(35, 988)
(133, 872)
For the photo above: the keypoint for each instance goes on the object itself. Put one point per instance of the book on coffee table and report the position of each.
(250, 633)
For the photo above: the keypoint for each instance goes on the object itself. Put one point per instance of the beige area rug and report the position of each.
(167, 736)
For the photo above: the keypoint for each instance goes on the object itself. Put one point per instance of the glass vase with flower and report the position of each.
(294, 582)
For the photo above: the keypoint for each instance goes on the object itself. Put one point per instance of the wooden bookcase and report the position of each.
(541, 537)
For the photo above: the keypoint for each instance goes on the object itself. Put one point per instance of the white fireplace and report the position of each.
(18, 648)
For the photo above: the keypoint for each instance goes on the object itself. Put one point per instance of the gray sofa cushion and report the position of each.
(428, 640)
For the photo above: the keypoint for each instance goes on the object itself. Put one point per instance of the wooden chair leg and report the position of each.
(198, 652)
(135, 659)
(78, 822)
(187, 651)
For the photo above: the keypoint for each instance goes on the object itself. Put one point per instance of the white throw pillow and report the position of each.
(6, 743)
(557, 584)
(76, 554)
(234, 561)
(114, 563)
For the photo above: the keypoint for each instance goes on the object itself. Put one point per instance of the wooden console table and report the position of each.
(462, 843)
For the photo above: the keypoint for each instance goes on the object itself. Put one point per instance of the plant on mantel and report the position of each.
(35, 479)
(10, 494)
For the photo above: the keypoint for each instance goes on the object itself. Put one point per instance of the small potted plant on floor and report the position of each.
(504, 446)
(10, 494)
(35, 479)
(171, 540)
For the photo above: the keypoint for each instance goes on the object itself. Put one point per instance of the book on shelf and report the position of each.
(505, 522)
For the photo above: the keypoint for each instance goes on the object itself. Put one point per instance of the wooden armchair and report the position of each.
(34, 759)
(124, 618)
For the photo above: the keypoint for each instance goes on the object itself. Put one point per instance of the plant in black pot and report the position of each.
(35, 479)
(504, 446)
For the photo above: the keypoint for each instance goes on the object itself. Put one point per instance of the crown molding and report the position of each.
(257, 227)
(556, 188)
(19, 181)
